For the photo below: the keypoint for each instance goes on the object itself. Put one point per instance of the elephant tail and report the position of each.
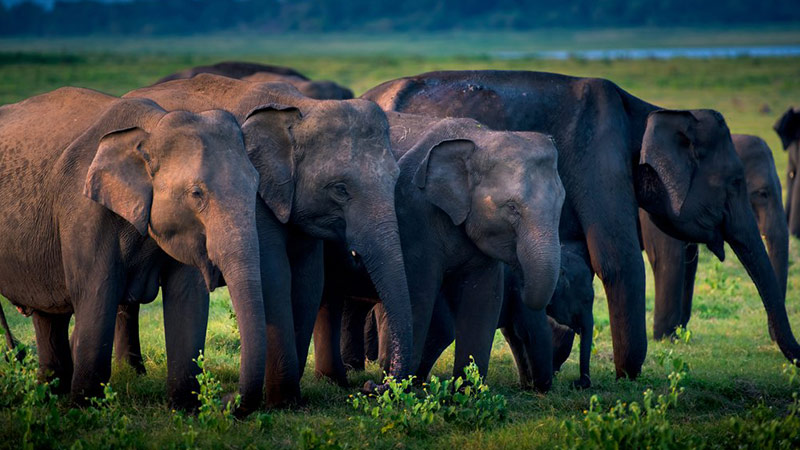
(11, 342)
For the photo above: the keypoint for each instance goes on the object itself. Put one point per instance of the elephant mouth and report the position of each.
(212, 276)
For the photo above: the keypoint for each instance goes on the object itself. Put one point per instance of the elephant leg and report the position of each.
(354, 321)
(308, 275)
(668, 258)
(185, 307)
(587, 331)
(52, 344)
(371, 336)
(518, 351)
(92, 338)
(384, 347)
(615, 253)
(688, 283)
(127, 347)
(440, 335)
(327, 359)
(478, 301)
(282, 375)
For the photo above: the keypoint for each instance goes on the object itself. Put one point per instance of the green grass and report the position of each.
(734, 365)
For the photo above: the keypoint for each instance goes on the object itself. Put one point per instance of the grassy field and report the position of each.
(734, 366)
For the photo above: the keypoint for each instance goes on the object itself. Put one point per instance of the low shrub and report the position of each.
(763, 428)
(464, 401)
(631, 426)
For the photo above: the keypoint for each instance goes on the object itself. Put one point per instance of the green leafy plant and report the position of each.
(631, 425)
(762, 427)
(36, 413)
(325, 439)
(682, 334)
(464, 400)
(212, 414)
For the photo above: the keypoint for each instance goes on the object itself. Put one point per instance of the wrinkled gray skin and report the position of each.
(674, 261)
(318, 89)
(617, 153)
(788, 128)
(327, 172)
(104, 200)
(468, 199)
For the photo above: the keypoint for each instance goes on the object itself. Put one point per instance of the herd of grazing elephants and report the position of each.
(435, 208)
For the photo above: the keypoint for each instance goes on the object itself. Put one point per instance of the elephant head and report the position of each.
(788, 128)
(328, 169)
(692, 184)
(185, 180)
(764, 191)
(503, 187)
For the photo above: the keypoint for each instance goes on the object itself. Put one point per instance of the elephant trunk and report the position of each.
(539, 256)
(239, 263)
(376, 239)
(741, 232)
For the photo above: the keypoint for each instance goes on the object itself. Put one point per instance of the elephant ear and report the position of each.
(668, 153)
(788, 127)
(443, 176)
(267, 131)
(119, 177)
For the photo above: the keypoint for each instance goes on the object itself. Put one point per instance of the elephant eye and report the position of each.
(196, 192)
(197, 196)
(761, 193)
(513, 208)
(339, 192)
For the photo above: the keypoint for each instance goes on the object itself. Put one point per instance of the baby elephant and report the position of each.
(468, 199)
(570, 311)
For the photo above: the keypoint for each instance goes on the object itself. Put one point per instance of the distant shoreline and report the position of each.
(558, 43)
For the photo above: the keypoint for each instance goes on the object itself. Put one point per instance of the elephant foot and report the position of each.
(371, 387)
(241, 411)
(584, 382)
(281, 396)
(138, 365)
(337, 379)
(542, 386)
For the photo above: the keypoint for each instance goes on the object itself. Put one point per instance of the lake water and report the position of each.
(658, 53)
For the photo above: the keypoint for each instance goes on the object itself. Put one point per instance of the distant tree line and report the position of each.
(152, 17)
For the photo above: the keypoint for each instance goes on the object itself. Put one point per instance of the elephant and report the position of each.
(468, 200)
(569, 311)
(674, 261)
(616, 153)
(106, 199)
(327, 173)
(526, 331)
(318, 89)
(788, 128)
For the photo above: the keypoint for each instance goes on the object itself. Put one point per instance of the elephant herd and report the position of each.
(432, 209)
